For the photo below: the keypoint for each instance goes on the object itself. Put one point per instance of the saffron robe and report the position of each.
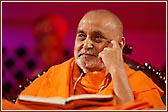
(59, 81)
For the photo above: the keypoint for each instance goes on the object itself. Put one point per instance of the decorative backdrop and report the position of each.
(144, 29)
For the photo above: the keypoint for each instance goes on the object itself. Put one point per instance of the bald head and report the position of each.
(95, 32)
(107, 17)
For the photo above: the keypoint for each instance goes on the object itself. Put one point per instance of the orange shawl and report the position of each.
(58, 81)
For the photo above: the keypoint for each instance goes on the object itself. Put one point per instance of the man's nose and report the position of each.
(88, 44)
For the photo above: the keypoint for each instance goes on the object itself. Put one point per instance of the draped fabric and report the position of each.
(60, 79)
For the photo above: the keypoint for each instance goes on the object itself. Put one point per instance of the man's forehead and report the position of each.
(93, 24)
(89, 27)
(95, 31)
(101, 16)
(94, 18)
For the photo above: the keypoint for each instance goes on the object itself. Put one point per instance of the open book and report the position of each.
(72, 102)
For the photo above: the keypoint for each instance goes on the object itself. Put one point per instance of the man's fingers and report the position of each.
(100, 57)
(115, 44)
(110, 45)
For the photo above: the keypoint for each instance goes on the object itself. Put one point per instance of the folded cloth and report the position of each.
(135, 105)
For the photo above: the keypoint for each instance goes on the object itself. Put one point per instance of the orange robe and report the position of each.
(59, 81)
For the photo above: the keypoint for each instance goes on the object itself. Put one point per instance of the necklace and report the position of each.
(106, 82)
(78, 79)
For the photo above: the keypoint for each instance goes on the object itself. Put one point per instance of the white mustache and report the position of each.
(87, 53)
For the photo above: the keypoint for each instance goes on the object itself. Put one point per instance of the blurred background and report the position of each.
(37, 35)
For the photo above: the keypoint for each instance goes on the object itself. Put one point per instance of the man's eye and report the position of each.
(81, 36)
(98, 37)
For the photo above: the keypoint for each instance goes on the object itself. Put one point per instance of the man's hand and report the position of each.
(111, 56)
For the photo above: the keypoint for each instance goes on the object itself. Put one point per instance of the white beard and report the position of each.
(89, 65)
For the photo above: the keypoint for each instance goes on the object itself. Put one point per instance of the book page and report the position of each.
(52, 100)
(73, 102)
(97, 97)
(59, 100)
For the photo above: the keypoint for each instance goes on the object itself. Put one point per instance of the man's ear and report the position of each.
(122, 42)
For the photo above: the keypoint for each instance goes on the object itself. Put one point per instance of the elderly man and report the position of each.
(97, 66)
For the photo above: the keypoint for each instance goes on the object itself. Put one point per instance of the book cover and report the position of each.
(72, 102)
